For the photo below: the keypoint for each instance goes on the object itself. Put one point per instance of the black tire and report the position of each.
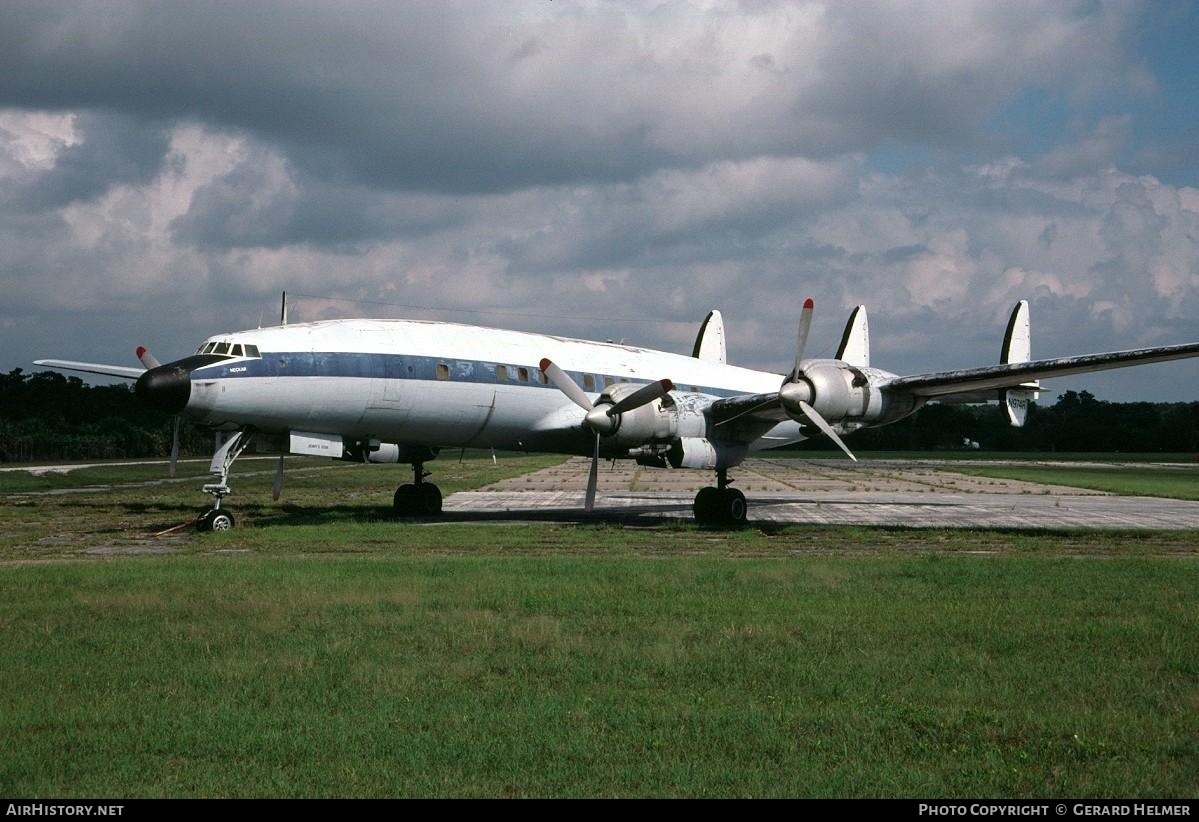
(707, 503)
(216, 519)
(404, 501)
(734, 510)
(429, 499)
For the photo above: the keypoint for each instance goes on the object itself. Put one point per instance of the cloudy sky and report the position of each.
(606, 170)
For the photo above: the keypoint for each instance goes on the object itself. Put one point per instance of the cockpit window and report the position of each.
(229, 349)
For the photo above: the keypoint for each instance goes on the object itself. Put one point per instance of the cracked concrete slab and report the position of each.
(875, 492)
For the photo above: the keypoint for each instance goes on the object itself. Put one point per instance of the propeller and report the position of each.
(797, 391)
(174, 447)
(601, 418)
(801, 341)
(150, 361)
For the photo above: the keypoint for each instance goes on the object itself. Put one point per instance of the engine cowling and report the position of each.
(843, 393)
(829, 387)
(704, 454)
(656, 421)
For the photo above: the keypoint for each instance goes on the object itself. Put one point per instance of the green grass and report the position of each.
(326, 650)
(960, 455)
(584, 676)
(1175, 483)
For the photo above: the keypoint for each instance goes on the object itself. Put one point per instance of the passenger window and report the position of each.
(608, 381)
(588, 382)
(542, 378)
(522, 374)
(443, 371)
(501, 372)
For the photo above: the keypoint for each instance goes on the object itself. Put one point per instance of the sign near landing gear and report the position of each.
(316, 445)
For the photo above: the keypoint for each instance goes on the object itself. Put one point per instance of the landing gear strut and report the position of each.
(720, 505)
(418, 498)
(218, 518)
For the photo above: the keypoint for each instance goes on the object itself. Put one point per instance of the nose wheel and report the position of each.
(218, 518)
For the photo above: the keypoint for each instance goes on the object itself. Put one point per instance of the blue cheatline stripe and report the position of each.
(397, 367)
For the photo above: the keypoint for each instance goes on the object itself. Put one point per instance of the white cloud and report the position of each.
(591, 160)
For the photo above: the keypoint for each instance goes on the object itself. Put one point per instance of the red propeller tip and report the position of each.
(141, 349)
(808, 303)
(545, 363)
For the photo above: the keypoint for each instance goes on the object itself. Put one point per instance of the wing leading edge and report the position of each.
(94, 368)
(966, 383)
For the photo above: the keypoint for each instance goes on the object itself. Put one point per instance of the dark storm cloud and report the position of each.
(264, 201)
(482, 97)
(112, 150)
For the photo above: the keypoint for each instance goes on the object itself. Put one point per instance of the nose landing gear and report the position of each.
(218, 518)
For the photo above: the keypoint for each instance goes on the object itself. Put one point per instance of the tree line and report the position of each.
(1077, 422)
(47, 416)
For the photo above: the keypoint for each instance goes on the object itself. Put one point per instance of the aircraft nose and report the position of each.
(167, 388)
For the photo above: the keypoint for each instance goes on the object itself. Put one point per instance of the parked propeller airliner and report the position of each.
(399, 390)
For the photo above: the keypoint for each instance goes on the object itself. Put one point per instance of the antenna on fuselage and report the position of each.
(283, 310)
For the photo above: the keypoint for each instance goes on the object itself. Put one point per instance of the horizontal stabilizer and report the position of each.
(94, 368)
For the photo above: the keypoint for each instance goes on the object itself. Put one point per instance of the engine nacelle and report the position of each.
(385, 452)
(656, 421)
(844, 393)
(702, 453)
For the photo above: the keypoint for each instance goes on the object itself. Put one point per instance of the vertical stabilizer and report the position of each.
(709, 343)
(855, 341)
(1017, 348)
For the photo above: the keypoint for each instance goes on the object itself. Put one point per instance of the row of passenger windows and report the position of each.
(229, 349)
(519, 373)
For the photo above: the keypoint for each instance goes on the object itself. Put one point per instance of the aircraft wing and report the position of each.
(94, 368)
(759, 408)
(965, 384)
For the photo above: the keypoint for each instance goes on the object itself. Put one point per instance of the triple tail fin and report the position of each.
(855, 341)
(1017, 348)
(709, 343)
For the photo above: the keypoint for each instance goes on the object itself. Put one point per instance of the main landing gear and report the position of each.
(418, 498)
(721, 505)
(218, 518)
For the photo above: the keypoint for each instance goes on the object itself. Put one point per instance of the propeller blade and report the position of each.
(148, 359)
(277, 488)
(565, 384)
(822, 424)
(801, 342)
(174, 447)
(642, 396)
(593, 476)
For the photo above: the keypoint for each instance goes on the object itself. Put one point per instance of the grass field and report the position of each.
(1130, 480)
(325, 650)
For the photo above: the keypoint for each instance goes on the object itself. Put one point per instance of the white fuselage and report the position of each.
(444, 384)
